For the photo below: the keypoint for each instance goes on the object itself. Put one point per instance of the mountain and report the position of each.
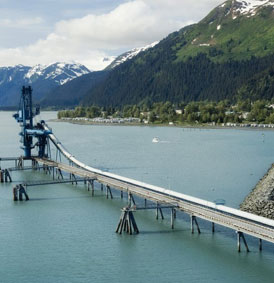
(234, 30)
(129, 55)
(41, 78)
(227, 55)
(71, 93)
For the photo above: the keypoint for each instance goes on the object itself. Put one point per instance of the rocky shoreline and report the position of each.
(261, 199)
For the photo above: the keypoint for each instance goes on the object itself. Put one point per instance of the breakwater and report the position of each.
(261, 199)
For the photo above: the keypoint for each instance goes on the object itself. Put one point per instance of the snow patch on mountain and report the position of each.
(129, 55)
(59, 72)
(249, 7)
(36, 70)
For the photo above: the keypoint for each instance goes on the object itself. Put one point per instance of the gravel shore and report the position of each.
(261, 199)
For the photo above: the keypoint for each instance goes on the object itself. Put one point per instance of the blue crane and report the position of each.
(25, 116)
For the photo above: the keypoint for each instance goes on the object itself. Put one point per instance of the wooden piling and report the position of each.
(20, 195)
(127, 222)
(92, 187)
(172, 218)
(15, 193)
(1, 176)
(260, 245)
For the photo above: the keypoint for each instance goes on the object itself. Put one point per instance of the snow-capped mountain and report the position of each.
(129, 55)
(58, 72)
(43, 78)
(247, 7)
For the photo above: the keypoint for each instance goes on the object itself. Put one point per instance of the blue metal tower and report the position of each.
(24, 116)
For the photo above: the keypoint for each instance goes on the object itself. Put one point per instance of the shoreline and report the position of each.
(260, 200)
(187, 126)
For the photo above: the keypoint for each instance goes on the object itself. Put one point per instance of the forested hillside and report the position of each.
(227, 55)
(72, 92)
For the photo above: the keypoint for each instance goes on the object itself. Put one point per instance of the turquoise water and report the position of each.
(64, 235)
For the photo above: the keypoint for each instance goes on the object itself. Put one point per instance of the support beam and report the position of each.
(34, 164)
(159, 209)
(161, 213)
(60, 174)
(74, 179)
(260, 245)
(6, 175)
(108, 192)
(92, 187)
(131, 200)
(193, 221)
(1, 176)
(20, 163)
(213, 227)
(22, 192)
(240, 235)
(172, 218)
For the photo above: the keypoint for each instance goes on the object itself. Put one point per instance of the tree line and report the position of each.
(195, 112)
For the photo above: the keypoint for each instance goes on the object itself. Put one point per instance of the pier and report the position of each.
(216, 214)
(197, 209)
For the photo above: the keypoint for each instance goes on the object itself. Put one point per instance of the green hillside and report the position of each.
(227, 55)
(222, 38)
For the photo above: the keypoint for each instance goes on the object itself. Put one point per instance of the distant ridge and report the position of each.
(42, 78)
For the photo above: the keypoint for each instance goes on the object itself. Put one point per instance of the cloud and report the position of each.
(93, 37)
(129, 24)
(20, 23)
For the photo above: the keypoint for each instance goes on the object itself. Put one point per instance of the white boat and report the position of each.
(155, 139)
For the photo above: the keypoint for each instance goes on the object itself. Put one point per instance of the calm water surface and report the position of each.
(64, 235)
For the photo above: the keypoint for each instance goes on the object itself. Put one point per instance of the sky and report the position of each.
(89, 32)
